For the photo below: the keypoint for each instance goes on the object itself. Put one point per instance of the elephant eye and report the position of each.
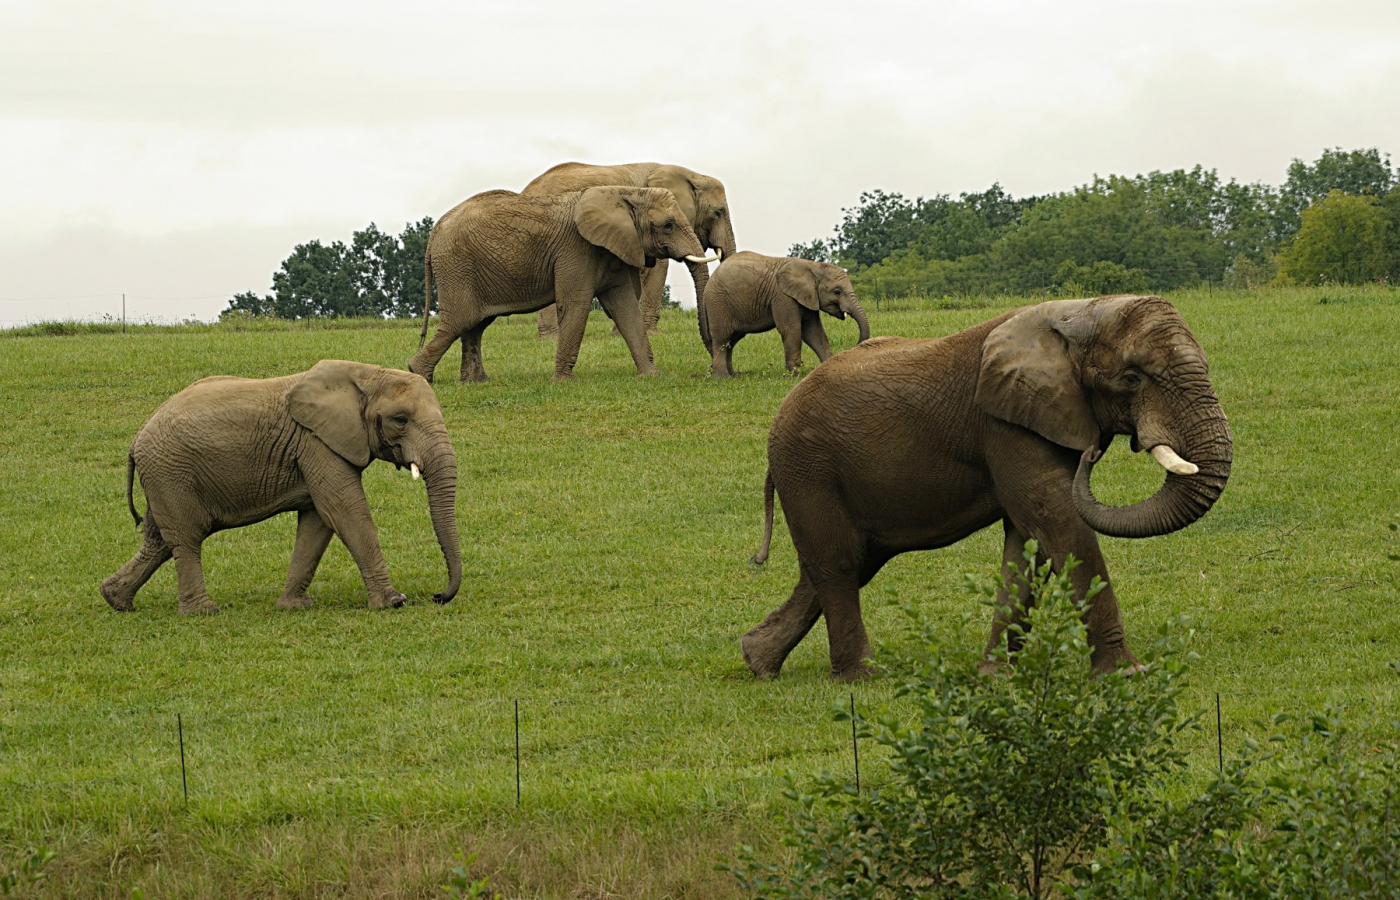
(1132, 379)
(400, 418)
(670, 223)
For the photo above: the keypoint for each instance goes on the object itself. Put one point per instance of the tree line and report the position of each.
(1336, 219)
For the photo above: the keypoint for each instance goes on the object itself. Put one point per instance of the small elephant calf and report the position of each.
(226, 452)
(750, 293)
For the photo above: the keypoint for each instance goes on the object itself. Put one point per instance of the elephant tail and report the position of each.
(761, 556)
(130, 483)
(427, 290)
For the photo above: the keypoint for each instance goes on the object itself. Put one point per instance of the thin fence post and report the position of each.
(517, 752)
(123, 313)
(184, 782)
(855, 748)
(1219, 740)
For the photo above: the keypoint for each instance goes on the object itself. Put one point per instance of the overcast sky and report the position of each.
(177, 151)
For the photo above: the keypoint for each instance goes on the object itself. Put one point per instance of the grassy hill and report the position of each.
(606, 527)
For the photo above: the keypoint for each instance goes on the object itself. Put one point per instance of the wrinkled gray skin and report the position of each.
(702, 201)
(751, 293)
(501, 253)
(226, 452)
(899, 445)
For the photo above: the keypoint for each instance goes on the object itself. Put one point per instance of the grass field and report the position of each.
(606, 527)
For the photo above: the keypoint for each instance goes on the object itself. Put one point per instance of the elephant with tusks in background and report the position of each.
(898, 445)
(751, 293)
(500, 253)
(227, 452)
(702, 201)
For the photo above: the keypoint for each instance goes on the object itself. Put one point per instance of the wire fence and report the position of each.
(522, 749)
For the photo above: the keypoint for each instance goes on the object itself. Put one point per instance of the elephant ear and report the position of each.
(606, 217)
(678, 182)
(1030, 373)
(330, 402)
(798, 280)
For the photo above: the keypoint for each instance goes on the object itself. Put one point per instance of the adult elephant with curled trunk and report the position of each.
(501, 253)
(899, 445)
(226, 452)
(702, 202)
(751, 293)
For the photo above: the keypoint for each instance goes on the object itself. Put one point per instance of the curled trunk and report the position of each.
(440, 476)
(853, 309)
(1181, 500)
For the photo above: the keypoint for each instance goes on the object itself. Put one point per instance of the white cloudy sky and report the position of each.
(176, 151)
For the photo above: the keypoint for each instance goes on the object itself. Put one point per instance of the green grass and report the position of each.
(606, 527)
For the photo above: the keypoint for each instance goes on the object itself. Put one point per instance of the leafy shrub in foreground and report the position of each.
(1042, 780)
(1002, 782)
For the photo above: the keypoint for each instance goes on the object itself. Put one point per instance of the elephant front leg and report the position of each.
(340, 501)
(621, 304)
(1009, 610)
(767, 645)
(814, 336)
(653, 289)
(313, 536)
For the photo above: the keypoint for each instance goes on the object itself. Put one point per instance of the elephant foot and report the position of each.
(564, 376)
(116, 599)
(1108, 660)
(200, 606)
(649, 373)
(301, 602)
(794, 372)
(392, 599)
(861, 672)
(474, 378)
(762, 662)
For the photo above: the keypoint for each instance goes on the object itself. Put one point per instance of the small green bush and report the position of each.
(1042, 780)
(1002, 783)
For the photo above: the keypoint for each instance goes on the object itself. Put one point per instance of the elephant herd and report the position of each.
(893, 446)
(581, 231)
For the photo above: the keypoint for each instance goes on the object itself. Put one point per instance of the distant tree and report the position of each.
(1360, 172)
(1342, 238)
(377, 274)
(816, 249)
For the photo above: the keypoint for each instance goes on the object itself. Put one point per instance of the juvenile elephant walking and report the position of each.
(702, 201)
(899, 445)
(751, 293)
(226, 452)
(500, 253)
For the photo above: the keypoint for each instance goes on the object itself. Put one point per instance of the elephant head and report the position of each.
(703, 203)
(637, 225)
(1078, 372)
(822, 286)
(365, 412)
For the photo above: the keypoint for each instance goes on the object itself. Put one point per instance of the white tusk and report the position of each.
(413, 470)
(1167, 458)
(701, 259)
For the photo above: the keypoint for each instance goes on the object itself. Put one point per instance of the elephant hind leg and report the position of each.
(119, 589)
(189, 573)
(768, 644)
(472, 367)
(426, 359)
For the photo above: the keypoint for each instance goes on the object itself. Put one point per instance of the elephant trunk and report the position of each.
(1182, 498)
(700, 274)
(853, 309)
(440, 476)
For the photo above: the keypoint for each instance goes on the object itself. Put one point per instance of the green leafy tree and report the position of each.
(1359, 172)
(1343, 238)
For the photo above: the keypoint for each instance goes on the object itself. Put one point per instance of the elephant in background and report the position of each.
(898, 445)
(227, 452)
(702, 201)
(751, 293)
(500, 253)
